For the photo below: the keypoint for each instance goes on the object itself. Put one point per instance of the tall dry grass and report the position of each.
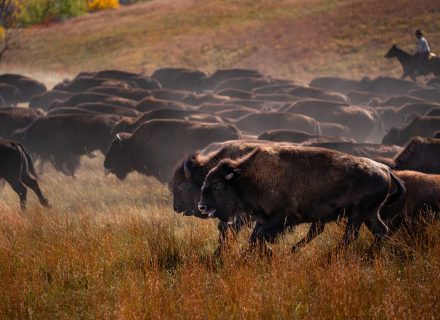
(112, 250)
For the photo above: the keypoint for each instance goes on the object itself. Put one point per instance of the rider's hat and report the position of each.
(419, 33)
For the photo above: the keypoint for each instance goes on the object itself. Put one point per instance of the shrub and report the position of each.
(103, 4)
(43, 11)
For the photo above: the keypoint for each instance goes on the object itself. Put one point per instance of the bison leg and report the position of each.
(33, 184)
(315, 230)
(264, 233)
(21, 190)
(225, 229)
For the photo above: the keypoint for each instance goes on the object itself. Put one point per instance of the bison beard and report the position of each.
(284, 186)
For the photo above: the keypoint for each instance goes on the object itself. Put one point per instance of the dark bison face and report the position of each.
(392, 52)
(218, 196)
(392, 137)
(122, 126)
(185, 186)
(117, 158)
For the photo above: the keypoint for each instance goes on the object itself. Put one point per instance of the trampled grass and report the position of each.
(115, 250)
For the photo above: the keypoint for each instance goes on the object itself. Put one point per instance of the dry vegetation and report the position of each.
(288, 38)
(116, 250)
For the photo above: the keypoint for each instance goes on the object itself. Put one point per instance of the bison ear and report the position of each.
(187, 167)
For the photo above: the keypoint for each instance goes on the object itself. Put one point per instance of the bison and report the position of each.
(63, 139)
(420, 154)
(129, 125)
(419, 126)
(422, 197)
(45, 99)
(297, 136)
(27, 86)
(190, 173)
(179, 78)
(281, 185)
(341, 85)
(259, 122)
(17, 169)
(156, 146)
(12, 119)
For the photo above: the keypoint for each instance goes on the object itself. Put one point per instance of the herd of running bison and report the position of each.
(238, 145)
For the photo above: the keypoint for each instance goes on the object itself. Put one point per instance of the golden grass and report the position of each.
(115, 250)
(297, 39)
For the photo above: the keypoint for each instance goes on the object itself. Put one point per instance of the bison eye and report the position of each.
(218, 186)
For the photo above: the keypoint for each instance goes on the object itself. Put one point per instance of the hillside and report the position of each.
(288, 38)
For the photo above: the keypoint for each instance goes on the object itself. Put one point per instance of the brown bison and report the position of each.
(341, 85)
(428, 93)
(235, 93)
(142, 81)
(190, 173)
(284, 135)
(92, 97)
(368, 150)
(10, 94)
(422, 197)
(362, 97)
(45, 99)
(419, 126)
(63, 139)
(243, 83)
(151, 104)
(179, 78)
(235, 114)
(17, 169)
(361, 121)
(316, 93)
(259, 122)
(129, 125)
(12, 119)
(420, 154)
(27, 86)
(398, 101)
(108, 108)
(135, 94)
(225, 74)
(199, 99)
(387, 86)
(157, 145)
(281, 185)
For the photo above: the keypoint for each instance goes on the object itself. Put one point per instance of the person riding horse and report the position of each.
(422, 53)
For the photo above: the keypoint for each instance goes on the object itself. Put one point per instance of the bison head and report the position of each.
(219, 196)
(124, 125)
(117, 159)
(185, 186)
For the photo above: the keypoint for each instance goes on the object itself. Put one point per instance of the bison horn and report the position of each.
(186, 169)
(229, 176)
(118, 136)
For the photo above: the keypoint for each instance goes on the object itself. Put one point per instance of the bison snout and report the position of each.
(202, 207)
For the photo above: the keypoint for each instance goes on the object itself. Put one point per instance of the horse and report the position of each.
(408, 62)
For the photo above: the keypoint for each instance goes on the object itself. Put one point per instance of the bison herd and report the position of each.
(238, 145)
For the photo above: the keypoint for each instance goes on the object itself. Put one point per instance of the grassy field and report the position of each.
(296, 39)
(115, 250)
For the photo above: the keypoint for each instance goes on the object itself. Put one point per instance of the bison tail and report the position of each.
(29, 164)
(397, 194)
